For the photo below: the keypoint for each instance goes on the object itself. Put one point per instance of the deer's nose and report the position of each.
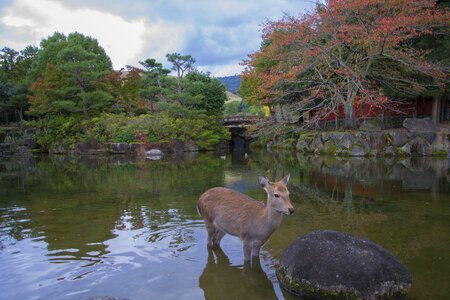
(291, 211)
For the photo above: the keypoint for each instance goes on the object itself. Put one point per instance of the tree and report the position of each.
(124, 87)
(347, 53)
(82, 64)
(154, 81)
(181, 64)
(13, 81)
(205, 93)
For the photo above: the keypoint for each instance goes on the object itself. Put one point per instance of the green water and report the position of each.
(78, 228)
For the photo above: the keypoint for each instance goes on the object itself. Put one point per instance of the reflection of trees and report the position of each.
(399, 204)
(76, 203)
(221, 280)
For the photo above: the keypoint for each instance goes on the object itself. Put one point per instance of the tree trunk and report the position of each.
(85, 111)
(348, 106)
(436, 109)
(152, 109)
(20, 114)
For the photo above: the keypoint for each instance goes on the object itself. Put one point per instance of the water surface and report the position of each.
(78, 228)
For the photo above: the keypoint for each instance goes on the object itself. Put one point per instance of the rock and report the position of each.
(420, 147)
(119, 148)
(317, 144)
(357, 151)
(346, 141)
(190, 146)
(377, 141)
(371, 125)
(398, 138)
(138, 150)
(30, 143)
(441, 145)
(22, 151)
(390, 151)
(327, 264)
(154, 154)
(5, 147)
(304, 142)
(302, 145)
(90, 147)
(430, 137)
(59, 149)
(420, 125)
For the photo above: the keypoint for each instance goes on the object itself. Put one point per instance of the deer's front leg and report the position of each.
(256, 246)
(247, 251)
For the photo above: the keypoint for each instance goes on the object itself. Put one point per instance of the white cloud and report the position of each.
(218, 34)
(123, 40)
(232, 68)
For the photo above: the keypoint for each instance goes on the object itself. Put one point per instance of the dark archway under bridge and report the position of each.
(238, 125)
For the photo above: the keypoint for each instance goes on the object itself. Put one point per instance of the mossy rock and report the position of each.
(326, 264)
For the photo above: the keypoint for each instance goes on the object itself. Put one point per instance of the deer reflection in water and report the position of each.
(221, 280)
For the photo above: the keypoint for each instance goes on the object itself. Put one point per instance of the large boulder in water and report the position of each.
(328, 264)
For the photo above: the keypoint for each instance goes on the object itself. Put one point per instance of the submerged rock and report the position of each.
(327, 264)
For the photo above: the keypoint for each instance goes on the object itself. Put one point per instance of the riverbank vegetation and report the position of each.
(66, 91)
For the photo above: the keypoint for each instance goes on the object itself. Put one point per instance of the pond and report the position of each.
(78, 228)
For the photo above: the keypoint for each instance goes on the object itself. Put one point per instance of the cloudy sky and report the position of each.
(217, 33)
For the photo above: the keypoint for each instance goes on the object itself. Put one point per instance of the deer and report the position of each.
(226, 211)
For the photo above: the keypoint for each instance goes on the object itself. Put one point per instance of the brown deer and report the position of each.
(227, 211)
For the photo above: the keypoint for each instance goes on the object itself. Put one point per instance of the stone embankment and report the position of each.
(419, 137)
(94, 147)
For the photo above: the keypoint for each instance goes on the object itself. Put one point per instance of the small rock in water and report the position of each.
(328, 264)
(154, 154)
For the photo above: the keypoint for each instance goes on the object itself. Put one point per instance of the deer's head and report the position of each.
(278, 194)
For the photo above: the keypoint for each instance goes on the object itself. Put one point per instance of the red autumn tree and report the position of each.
(347, 53)
(124, 87)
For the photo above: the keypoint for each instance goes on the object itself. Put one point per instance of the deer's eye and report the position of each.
(277, 196)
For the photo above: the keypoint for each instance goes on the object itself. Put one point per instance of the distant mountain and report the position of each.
(231, 83)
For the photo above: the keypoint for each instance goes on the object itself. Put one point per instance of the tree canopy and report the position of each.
(74, 66)
(348, 53)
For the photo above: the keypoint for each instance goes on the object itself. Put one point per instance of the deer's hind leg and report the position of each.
(218, 235)
(215, 235)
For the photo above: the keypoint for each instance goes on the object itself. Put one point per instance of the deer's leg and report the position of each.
(247, 251)
(256, 246)
(211, 232)
(218, 235)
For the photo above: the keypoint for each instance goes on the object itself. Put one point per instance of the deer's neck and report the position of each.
(272, 217)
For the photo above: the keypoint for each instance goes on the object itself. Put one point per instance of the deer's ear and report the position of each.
(285, 180)
(263, 181)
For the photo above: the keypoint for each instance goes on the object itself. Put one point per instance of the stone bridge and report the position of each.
(240, 121)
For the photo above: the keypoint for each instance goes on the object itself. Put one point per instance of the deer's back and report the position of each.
(228, 205)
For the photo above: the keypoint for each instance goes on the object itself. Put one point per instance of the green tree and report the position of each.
(82, 64)
(154, 81)
(182, 64)
(14, 67)
(204, 93)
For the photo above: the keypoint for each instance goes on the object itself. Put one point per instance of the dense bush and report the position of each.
(204, 129)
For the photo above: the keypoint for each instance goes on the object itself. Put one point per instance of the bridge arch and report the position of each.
(238, 125)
